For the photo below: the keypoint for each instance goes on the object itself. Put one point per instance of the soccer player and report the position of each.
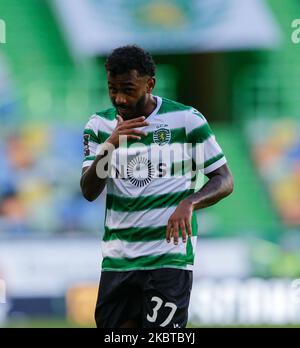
(150, 225)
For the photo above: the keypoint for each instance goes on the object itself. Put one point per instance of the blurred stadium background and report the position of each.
(234, 61)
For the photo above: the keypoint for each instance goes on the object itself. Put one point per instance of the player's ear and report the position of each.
(150, 84)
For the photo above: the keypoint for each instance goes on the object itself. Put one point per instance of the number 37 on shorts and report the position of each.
(159, 305)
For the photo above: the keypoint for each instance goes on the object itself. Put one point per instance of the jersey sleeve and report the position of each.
(198, 131)
(91, 141)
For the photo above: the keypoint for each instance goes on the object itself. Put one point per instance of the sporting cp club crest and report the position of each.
(140, 171)
(162, 135)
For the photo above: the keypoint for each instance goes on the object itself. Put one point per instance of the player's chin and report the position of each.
(126, 114)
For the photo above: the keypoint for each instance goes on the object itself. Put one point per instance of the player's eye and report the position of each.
(112, 90)
(128, 90)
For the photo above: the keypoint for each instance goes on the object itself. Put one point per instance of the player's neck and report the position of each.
(150, 106)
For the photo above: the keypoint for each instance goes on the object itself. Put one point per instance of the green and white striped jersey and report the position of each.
(148, 180)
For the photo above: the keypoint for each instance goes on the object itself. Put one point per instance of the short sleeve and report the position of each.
(91, 141)
(198, 131)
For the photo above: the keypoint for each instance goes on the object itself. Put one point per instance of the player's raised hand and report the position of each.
(127, 128)
(181, 218)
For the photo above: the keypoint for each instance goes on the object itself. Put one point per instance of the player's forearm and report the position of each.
(91, 183)
(217, 188)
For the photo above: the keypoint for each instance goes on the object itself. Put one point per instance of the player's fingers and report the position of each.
(119, 119)
(189, 228)
(183, 230)
(169, 232)
(132, 131)
(138, 119)
(175, 232)
(132, 125)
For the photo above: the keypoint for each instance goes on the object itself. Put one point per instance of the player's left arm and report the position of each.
(219, 185)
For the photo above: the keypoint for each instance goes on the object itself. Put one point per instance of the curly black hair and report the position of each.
(130, 57)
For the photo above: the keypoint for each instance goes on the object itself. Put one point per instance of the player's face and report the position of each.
(129, 93)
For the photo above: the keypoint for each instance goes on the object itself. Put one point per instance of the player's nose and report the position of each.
(120, 99)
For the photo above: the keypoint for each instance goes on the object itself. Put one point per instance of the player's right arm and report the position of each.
(91, 183)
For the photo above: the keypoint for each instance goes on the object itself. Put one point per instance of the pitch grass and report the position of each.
(64, 324)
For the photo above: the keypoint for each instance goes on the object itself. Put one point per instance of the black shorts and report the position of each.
(151, 298)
